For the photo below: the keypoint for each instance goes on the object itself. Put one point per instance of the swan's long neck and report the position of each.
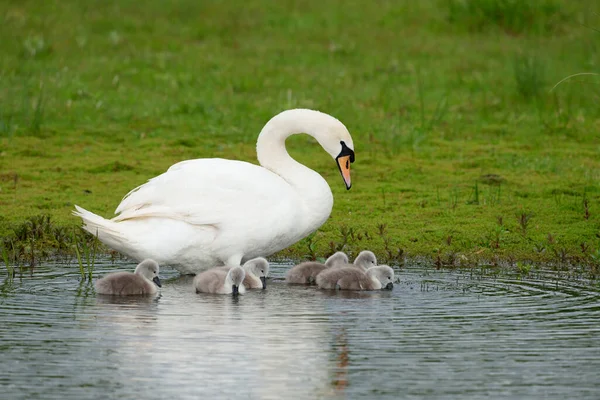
(272, 154)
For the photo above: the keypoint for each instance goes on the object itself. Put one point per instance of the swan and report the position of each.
(143, 281)
(256, 271)
(352, 278)
(306, 272)
(220, 281)
(211, 211)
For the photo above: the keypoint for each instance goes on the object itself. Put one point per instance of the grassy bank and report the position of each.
(464, 151)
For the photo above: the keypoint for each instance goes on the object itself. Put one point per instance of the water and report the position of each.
(437, 335)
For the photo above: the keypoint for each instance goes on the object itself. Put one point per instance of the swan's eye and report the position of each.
(389, 277)
(262, 271)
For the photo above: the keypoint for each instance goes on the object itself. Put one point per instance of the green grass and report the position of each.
(466, 152)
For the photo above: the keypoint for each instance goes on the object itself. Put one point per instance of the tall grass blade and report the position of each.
(94, 250)
(9, 268)
(571, 76)
(78, 253)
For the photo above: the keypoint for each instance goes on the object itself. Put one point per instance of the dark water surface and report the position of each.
(437, 335)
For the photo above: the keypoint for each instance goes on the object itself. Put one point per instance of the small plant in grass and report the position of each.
(475, 198)
(5, 124)
(37, 119)
(454, 197)
(310, 245)
(36, 47)
(523, 268)
(595, 257)
(494, 239)
(586, 208)
(382, 229)
(523, 219)
(529, 76)
(561, 254)
(539, 247)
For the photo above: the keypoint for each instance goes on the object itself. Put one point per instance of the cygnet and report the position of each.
(143, 281)
(351, 278)
(221, 281)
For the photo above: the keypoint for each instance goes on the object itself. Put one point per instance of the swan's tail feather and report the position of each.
(106, 230)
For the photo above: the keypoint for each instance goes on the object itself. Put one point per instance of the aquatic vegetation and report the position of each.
(84, 252)
(39, 239)
(9, 269)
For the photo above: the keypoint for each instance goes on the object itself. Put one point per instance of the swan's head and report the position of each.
(149, 270)
(234, 278)
(258, 267)
(338, 143)
(365, 259)
(384, 274)
(338, 258)
(331, 134)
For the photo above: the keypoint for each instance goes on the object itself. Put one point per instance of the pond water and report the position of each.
(436, 335)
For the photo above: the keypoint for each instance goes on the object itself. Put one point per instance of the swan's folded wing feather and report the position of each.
(205, 191)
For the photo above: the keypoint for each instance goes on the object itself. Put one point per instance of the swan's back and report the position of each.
(124, 284)
(208, 184)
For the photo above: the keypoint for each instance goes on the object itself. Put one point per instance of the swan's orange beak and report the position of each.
(344, 166)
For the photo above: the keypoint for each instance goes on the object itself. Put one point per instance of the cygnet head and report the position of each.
(149, 270)
(258, 267)
(365, 259)
(234, 278)
(384, 274)
(337, 258)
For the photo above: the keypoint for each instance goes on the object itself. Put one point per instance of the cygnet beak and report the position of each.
(235, 290)
(389, 286)
(263, 279)
(156, 281)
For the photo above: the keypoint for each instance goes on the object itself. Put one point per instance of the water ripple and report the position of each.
(438, 334)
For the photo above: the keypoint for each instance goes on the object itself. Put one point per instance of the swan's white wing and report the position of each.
(208, 192)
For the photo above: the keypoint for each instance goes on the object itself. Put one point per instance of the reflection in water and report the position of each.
(340, 349)
(438, 334)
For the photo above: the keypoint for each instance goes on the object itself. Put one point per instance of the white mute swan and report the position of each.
(220, 281)
(212, 211)
(143, 281)
(352, 278)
